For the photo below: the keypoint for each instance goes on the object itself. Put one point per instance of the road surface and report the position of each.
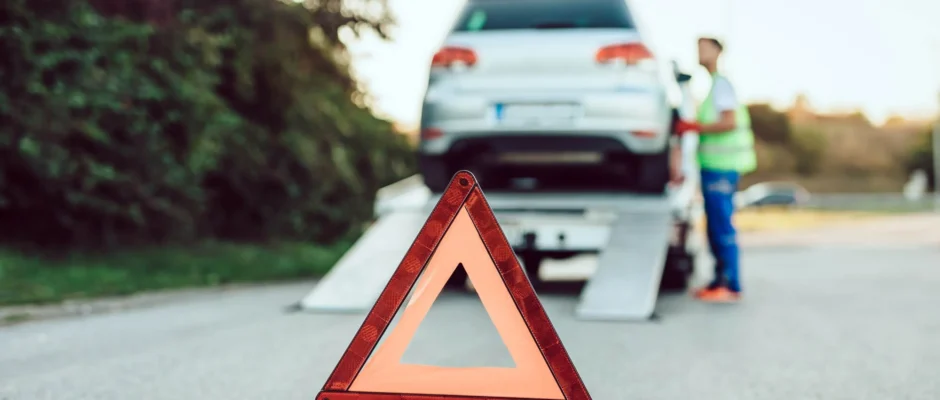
(816, 324)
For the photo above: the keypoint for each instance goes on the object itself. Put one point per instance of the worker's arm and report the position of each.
(726, 122)
(726, 102)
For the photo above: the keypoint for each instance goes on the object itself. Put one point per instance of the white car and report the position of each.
(763, 194)
(548, 95)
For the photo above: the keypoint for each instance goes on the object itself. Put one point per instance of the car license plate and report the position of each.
(536, 112)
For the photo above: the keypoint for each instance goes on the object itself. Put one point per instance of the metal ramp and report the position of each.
(625, 285)
(355, 282)
(357, 279)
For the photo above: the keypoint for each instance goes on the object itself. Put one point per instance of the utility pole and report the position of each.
(936, 157)
(936, 134)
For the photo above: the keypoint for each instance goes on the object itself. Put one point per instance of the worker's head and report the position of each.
(709, 49)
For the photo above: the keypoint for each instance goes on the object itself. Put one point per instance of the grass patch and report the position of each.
(772, 219)
(30, 279)
(14, 318)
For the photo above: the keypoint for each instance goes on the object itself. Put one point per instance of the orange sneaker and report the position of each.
(704, 291)
(719, 295)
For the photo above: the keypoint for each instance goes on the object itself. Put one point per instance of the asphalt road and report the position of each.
(816, 324)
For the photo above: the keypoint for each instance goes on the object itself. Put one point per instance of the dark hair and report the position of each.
(714, 42)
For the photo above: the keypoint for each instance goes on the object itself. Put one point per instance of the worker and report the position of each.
(725, 153)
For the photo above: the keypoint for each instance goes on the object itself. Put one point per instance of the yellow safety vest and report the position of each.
(726, 151)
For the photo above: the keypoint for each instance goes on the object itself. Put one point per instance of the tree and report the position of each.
(808, 147)
(769, 125)
(142, 121)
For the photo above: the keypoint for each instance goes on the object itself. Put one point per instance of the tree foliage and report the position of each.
(809, 145)
(841, 147)
(922, 157)
(769, 125)
(144, 121)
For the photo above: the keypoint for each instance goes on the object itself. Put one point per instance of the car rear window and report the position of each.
(493, 15)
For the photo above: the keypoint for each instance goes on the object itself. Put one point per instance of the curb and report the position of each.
(14, 315)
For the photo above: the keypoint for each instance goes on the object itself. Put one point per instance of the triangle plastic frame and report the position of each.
(463, 193)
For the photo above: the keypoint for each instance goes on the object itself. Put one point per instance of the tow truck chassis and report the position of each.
(630, 246)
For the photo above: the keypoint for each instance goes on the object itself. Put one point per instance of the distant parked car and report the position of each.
(763, 194)
(917, 186)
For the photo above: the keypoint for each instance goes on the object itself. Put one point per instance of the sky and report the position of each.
(880, 56)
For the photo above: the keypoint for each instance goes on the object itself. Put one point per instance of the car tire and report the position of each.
(435, 173)
(678, 271)
(652, 173)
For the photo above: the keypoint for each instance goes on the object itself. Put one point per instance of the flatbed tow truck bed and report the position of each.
(639, 244)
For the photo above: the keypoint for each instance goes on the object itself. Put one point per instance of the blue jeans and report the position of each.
(718, 188)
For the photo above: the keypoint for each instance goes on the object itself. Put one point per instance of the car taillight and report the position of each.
(431, 133)
(645, 134)
(629, 53)
(450, 56)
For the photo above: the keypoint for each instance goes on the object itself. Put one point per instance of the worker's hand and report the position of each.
(684, 126)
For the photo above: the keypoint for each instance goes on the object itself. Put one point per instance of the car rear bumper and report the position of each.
(647, 139)
(638, 119)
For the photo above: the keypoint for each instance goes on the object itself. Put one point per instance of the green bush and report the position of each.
(769, 125)
(224, 121)
(808, 147)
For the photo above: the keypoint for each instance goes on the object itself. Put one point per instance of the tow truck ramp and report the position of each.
(357, 279)
(626, 283)
(630, 233)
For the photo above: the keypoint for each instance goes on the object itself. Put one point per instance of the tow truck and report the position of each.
(636, 245)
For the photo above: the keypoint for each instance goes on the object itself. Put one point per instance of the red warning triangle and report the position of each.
(461, 230)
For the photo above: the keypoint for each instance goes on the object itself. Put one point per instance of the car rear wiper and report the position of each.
(554, 25)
